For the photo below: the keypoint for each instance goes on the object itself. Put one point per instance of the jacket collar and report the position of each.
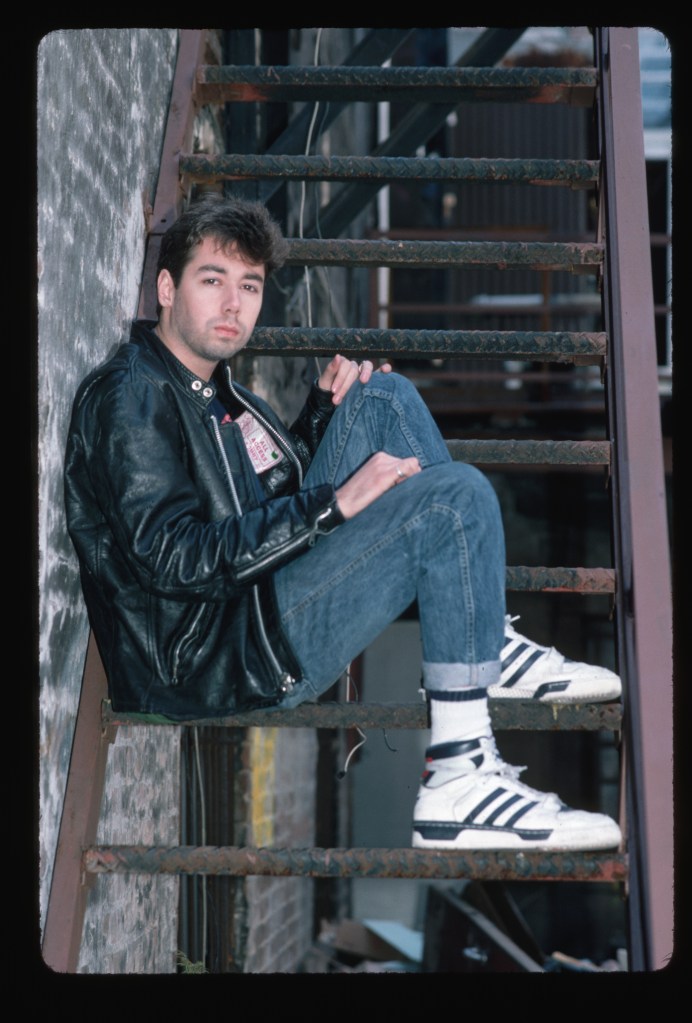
(144, 336)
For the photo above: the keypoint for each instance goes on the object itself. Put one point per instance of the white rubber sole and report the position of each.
(549, 692)
(606, 836)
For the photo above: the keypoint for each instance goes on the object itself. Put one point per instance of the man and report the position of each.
(229, 563)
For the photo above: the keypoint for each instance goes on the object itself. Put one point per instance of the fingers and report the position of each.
(341, 373)
(347, 374)
(382, 472)
(367, 368)
(326, 377)
(338, 377)
(365, 371)
(405, 467)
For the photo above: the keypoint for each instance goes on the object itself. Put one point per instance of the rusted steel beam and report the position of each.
(506, 715)
(168, 201)
(567, 256)
(531, 452)
(545, 717)
(62, 933)
(411, 863)
(258, 84)
(534, 346)
(573, 173)
(641, 543)
(561, 580)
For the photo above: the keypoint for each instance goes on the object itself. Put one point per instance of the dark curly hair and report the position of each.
(233, 222)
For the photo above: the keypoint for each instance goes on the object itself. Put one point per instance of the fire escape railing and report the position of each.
(641, 551)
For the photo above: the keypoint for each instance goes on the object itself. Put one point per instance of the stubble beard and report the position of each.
(207, 344)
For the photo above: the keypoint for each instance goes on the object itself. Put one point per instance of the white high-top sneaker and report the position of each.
(533, 672)
(470, 799)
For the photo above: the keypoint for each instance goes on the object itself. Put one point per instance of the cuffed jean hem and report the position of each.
(461, 676)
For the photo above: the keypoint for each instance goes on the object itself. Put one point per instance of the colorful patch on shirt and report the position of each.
(261, 446)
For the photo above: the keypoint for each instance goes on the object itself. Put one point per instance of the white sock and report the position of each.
(458, 715)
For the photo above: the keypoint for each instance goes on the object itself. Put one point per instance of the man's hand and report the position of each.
(380, 473)
(341, 373)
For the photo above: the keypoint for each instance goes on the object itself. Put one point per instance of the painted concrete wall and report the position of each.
(281, 815)
(102, 99)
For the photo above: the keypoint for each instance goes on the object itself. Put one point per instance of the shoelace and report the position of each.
(509, 619)
(505, 770)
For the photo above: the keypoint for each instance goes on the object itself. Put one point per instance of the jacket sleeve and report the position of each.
(308, 429)
(163, 516)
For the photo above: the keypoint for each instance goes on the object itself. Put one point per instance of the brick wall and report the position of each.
(281, 795)
(102, 99)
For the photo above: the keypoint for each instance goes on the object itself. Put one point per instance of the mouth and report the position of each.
(226, 330)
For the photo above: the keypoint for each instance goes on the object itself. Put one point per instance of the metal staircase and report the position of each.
(630, 453)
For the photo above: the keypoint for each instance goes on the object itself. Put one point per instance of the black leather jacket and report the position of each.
(178, 537)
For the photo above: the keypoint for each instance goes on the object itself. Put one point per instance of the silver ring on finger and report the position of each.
(400, 474)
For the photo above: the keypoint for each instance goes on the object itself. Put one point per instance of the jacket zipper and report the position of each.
(183, 639)
(286, 680)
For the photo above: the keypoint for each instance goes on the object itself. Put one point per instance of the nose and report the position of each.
(231, 296)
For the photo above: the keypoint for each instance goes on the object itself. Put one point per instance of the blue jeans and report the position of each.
(436, 538)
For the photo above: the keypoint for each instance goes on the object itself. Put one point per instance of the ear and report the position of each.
(165, 289)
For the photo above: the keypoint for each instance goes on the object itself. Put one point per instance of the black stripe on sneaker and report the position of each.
(517, 652)
(457, 748)
(480, 807)
(521, 669)
(448, 831)
(505, 806)
(551, 687)
(520, 813)
(437, 831)
(506, 800)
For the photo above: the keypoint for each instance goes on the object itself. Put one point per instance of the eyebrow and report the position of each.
(251, 275)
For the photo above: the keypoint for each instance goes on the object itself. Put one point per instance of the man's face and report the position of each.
(212, 313)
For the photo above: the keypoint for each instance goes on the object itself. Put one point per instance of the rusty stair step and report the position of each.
(584, 257)
(200, 167)
(349, 84)
(531, 452)
(506, 715)
(423, 864)
(534, 346)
